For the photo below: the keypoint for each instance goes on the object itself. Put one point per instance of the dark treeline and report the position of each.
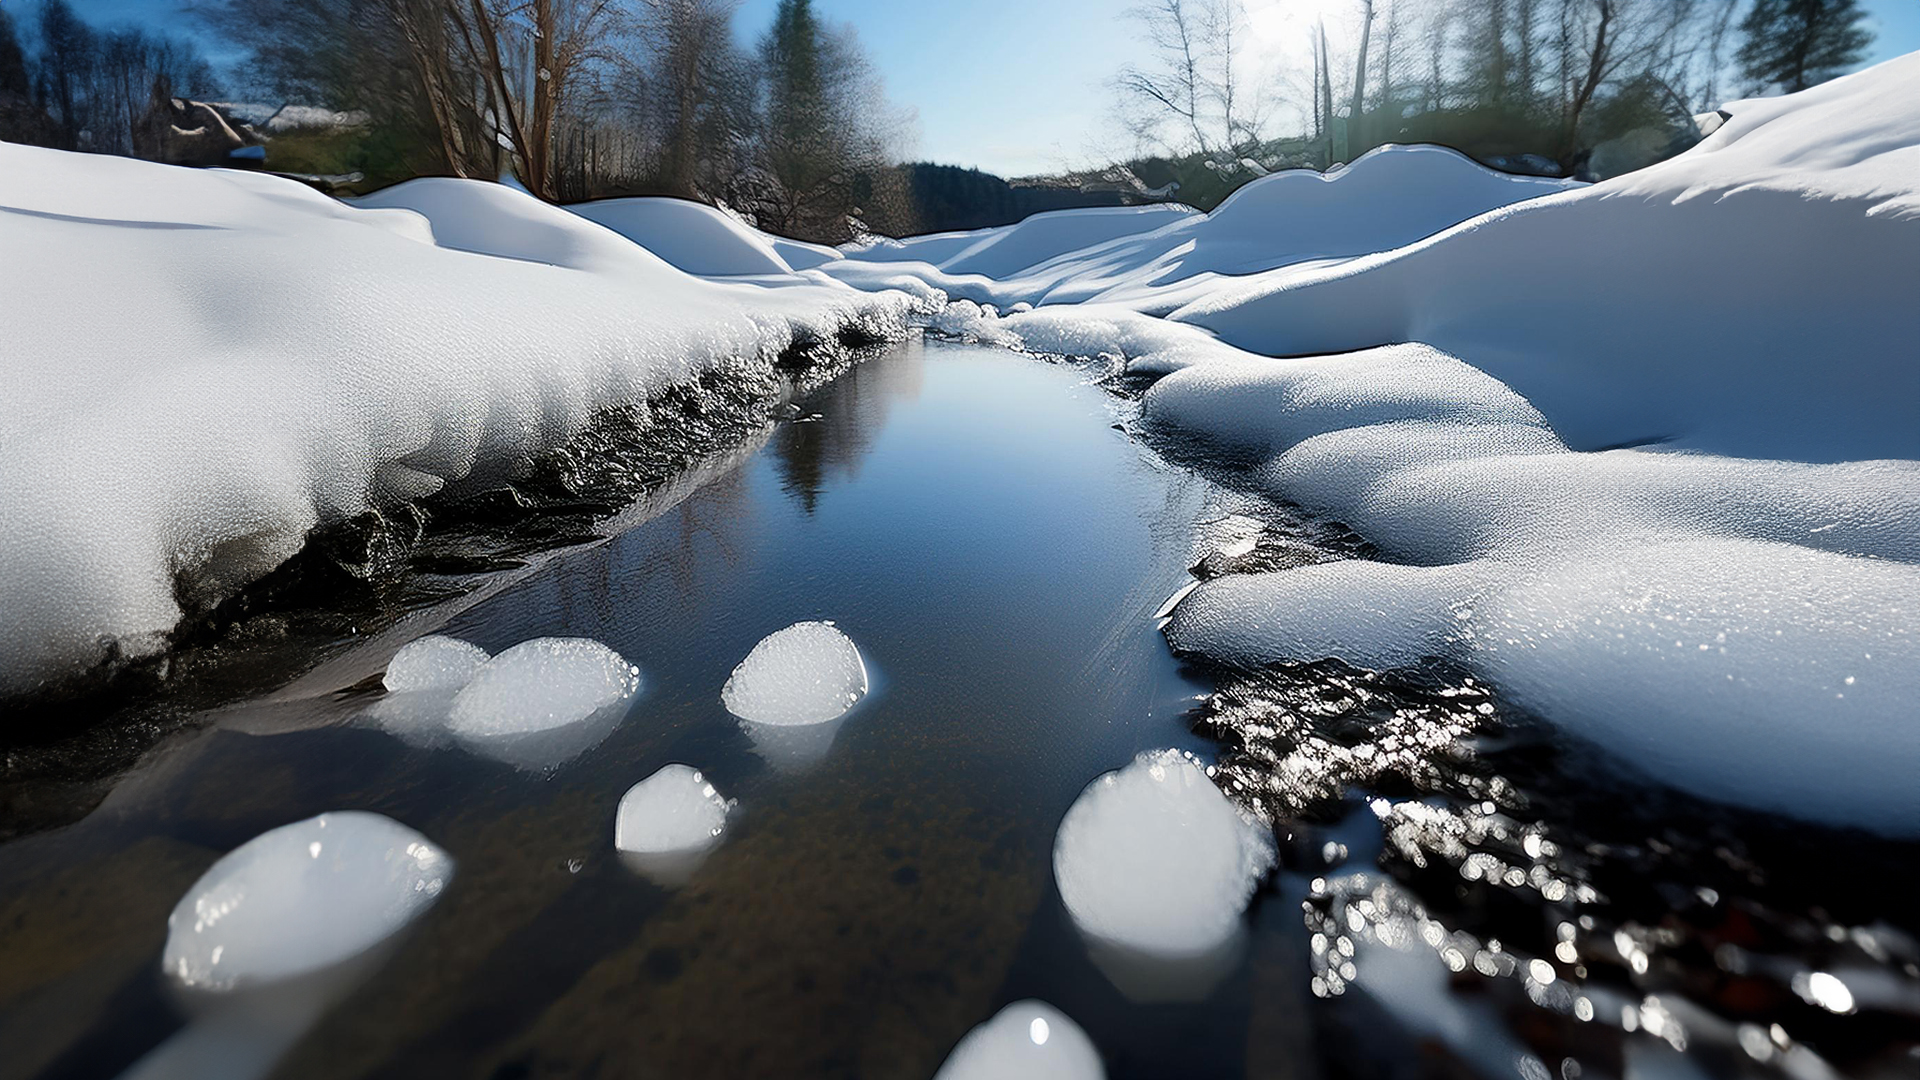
(583, 99)
(1558, 86)
(82, 88)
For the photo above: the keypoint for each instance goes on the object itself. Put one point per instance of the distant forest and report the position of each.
(582, 99)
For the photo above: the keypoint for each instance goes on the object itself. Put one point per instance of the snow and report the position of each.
(1153, 859)
(299, 899)
(692, 236)
(203, 366)
(1027, 1040)
(1137, 255)
(1640, 453)
(808, 673)
(674, 811)
(433, 663)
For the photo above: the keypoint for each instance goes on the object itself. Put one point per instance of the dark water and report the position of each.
(974, 521)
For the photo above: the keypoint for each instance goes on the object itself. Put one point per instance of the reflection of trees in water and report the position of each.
(851, 411)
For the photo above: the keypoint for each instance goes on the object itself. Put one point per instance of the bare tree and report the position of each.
(1194, 82)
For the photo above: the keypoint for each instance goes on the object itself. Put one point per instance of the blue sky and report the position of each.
(1011, 86)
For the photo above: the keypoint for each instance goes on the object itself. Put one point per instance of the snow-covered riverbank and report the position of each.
(1732, 606)
(1640, 453)
(202, 367)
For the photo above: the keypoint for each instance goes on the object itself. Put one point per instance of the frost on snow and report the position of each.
(809, 673)
(668, 823)
(1154, 860)
(1027, 1040)
(203, 366)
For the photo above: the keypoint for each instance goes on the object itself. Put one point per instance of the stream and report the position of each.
(986, 530)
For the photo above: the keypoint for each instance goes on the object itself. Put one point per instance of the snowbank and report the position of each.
(204, 366)
(1752, 296)
(1138, 255)
(1640, 453)
(692, 236)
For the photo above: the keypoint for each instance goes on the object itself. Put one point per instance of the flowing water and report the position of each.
(983, 526)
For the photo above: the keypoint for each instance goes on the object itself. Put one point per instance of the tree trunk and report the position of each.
(1358, 109)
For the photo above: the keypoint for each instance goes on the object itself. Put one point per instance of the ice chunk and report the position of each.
(542, 702)
(809, 673)
(281, 929)
(676, 809)
(1155, 860)
(1027, 1040)
(301, 898)
(433, 663)
(670, 822)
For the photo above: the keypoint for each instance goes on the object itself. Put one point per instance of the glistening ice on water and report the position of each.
(433, 663)
(540, 685)
(808, 673)
(674, 811)
(1027, 1040)
(300, 899)
(1154, 859)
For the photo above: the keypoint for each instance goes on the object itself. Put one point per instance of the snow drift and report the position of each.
(1640, 453)
(1138, 255)
(204, 366)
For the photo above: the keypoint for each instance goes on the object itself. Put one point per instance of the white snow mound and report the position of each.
(300, 899)
(675, 811)
(203, 366)
(692, 236)
(1153, 858)
(809, 673)
(1027, 1040)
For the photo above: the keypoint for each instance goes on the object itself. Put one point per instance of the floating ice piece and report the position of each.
(1155, 860)
(301, 898)
(670, 822)
(1027, 1040)
(809, 673)
(282, 928)
(433, 663)
(542, 702)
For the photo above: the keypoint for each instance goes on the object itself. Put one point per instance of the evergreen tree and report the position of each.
(1797, 43)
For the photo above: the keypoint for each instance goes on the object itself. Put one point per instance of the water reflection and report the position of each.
(827, 439)
(1154, 979)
